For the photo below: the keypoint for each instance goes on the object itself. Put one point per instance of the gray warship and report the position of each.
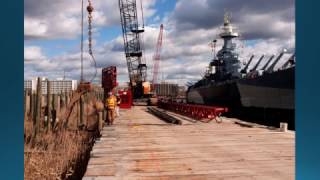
(263, 86)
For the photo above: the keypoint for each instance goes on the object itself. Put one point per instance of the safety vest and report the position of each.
(111, 102)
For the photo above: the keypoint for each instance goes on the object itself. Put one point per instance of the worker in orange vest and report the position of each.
(111, 103)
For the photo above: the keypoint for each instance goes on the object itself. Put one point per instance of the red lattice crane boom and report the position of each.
(156, 57)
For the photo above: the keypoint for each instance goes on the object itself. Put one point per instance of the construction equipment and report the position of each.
(156, 58)
(126, 99)
(199, 112)
(109, 84)
(132, 31)
(85, 85)
(109, 79)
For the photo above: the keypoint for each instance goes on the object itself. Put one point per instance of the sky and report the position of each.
(52, 32)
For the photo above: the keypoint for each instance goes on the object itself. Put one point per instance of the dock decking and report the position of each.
(140, 146)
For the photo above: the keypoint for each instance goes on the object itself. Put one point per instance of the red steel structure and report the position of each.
(126, 99)
(156, 58)
(199, 112)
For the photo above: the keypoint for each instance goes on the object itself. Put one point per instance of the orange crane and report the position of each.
(156, 58)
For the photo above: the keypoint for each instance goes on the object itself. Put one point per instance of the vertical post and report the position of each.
(100, 121)
(67, 98)
(84, 111)
(61, 100)
(63, 97)
(25, 104)
(77, 105)
(81, 111)
(103, 114)
(32, 105)
(42, 109)
(28, 101)
(36, 120)
(54, 110)
(283, 127)
(43, 100)
(58, 104)
(48, 105)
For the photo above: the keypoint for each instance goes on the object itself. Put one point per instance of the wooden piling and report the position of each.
(54, 111)
(103, 115)
(81, 110)
(86, 108)
(61, 101)
(43, 100)
(58, 104)
(36, 120)
(32, 105)
(99, 95)
(67, 99)
(27, 108)
(77, 105)
(25, 104)
(70, 96)
(100, 120)
(48, 106)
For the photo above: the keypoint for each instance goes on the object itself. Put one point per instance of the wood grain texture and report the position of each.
(140, 146)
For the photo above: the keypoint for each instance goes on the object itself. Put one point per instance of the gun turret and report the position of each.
(268, 62)
(256, 66)
(289, 61)
(270, 69)
(244, 70)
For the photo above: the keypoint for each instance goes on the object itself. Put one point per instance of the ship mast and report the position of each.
(227, 63)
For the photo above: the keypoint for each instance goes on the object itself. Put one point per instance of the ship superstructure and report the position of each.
(227, 63)
(261, 85)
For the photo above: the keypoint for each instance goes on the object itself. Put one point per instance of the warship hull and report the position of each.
(272, 90)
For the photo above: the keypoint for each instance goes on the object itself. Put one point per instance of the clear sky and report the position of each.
(52, 35)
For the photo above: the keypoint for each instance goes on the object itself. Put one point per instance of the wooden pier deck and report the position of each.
(140, 146)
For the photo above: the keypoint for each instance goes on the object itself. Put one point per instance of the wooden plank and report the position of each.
(140, 146)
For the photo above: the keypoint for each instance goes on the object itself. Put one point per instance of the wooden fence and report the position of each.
(45, 110)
